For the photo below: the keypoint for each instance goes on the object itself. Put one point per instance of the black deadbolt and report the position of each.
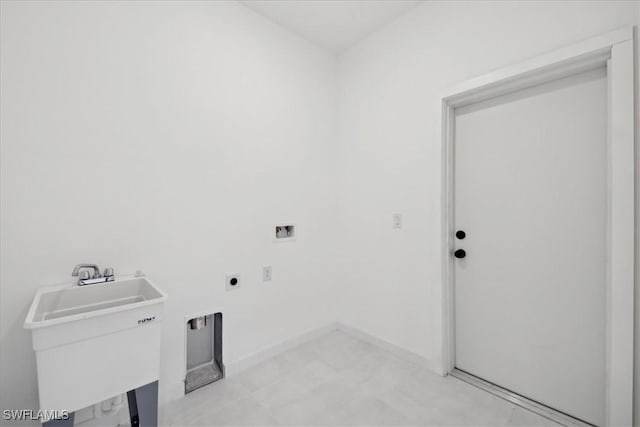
(233, 281)
(460, 253)
(461, 234)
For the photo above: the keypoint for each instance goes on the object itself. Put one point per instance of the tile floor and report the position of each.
(338, 380)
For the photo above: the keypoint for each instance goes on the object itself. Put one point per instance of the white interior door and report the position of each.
(530, 187)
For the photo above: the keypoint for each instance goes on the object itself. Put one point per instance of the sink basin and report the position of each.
(61, 304)
(96, 341)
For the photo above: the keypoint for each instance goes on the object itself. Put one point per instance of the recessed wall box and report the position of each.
(285, 232)
(204, 351)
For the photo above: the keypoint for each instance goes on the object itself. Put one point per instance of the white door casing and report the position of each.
(615, 52)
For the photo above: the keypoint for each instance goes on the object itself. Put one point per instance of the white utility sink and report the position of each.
(96, 341)
(61, 304)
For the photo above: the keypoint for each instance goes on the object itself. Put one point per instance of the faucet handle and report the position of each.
(84, 275)
(108, 272)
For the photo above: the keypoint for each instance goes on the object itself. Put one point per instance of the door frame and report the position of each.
(615, 51)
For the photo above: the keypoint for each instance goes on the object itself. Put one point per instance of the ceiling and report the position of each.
(332, 24)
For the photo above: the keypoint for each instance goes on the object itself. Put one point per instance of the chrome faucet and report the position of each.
(96, 270)
(84, 278)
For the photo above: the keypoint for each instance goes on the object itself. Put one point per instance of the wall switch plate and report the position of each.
(266, 274)
(397, 220)
(232, 282)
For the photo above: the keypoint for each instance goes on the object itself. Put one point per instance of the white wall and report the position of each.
(389, 153)
(167, 137)
(156, 136)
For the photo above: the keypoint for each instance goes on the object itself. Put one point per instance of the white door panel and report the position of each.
(530, 192)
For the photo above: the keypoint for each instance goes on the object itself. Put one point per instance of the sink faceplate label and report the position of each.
(146, 320)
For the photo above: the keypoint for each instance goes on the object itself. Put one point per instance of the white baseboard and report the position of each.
(240, 365)
(175, 391)
(233, 368)
(402, 353)
(268, 352)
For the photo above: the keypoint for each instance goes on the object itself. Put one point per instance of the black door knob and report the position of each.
(461, 234)
(460, 253)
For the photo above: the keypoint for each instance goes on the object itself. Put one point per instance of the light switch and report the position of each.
(266, 274)
(397, 220)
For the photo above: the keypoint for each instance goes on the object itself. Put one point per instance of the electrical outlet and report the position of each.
(266, 274)
(397, 220)
(232, 282)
